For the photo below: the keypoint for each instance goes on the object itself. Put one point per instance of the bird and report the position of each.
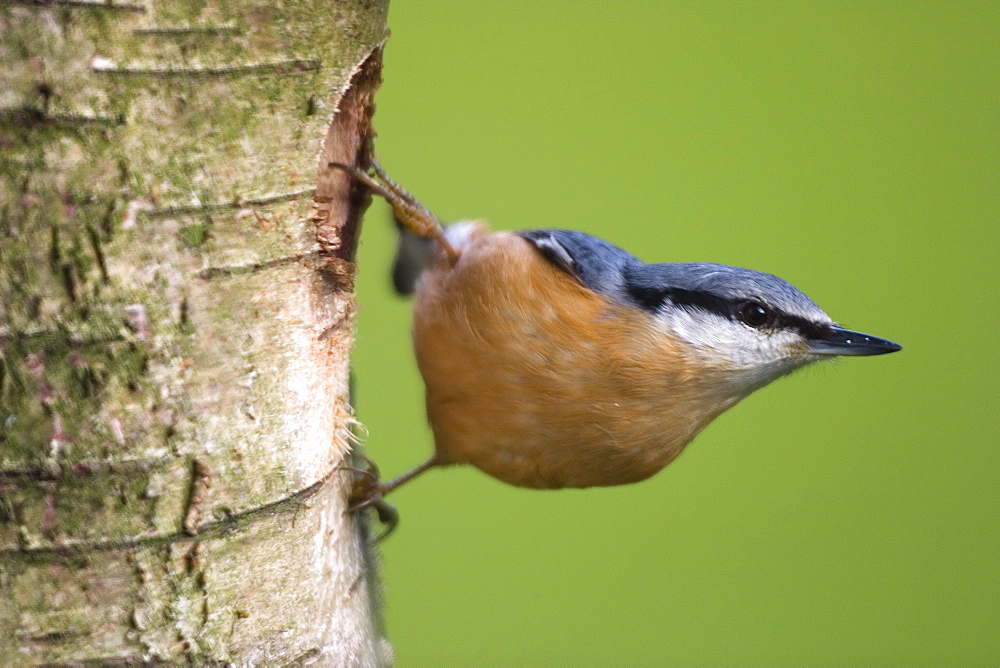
(554, 359)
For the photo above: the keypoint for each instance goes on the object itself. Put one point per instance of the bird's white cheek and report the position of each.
(747, 358)
(749, 380)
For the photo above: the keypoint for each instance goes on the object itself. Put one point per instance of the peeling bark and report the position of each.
(176, 315)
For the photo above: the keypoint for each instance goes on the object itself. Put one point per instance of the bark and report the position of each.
(176, 313)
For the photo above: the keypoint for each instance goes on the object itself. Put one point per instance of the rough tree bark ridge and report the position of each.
(176, 313)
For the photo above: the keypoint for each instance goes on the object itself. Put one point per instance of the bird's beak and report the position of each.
(845, 342)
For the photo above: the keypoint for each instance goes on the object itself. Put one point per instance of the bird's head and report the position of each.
(746, 326)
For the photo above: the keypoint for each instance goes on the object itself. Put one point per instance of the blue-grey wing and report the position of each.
(597, 264)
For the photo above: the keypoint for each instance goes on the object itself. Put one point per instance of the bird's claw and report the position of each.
(367, 491)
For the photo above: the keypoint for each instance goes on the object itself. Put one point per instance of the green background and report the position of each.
(845, 515)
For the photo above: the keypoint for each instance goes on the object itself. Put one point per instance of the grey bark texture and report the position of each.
(176, 316)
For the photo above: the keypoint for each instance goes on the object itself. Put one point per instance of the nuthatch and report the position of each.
(555, 359)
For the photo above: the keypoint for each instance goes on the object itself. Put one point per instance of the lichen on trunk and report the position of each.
(176, 313)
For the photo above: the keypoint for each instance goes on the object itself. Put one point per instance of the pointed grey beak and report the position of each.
(845, 342)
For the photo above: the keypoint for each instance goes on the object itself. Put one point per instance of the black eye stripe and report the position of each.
(705, 301)
(653, 299)
(649, 299)
(807, 328)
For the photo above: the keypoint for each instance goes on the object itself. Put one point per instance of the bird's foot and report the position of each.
(407, 209)
(367, 491)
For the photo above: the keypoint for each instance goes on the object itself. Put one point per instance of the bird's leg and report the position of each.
(413, 215)
(368, 491)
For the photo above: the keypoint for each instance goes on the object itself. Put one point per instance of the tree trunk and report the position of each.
(176, 314)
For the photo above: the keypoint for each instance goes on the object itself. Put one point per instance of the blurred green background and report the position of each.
(845, 515)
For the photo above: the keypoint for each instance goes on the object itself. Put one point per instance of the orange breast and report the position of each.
(540, 382)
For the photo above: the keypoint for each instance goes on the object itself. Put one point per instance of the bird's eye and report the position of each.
(754, 314)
